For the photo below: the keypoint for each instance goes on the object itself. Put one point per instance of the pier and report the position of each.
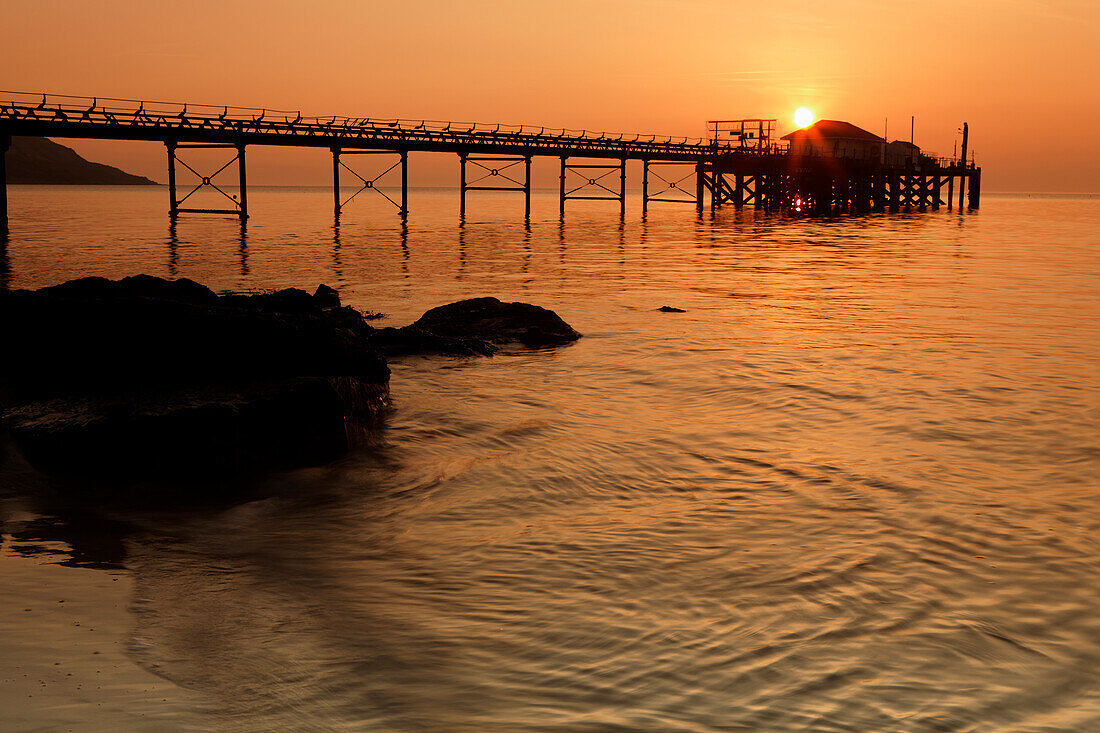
(739, 164)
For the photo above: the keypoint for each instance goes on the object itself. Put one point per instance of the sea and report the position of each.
(853, 486)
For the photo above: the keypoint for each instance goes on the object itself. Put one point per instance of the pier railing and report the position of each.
(111, 117)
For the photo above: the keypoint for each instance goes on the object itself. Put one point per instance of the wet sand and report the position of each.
(64, 636)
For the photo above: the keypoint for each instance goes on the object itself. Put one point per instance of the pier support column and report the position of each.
(173, 207)
(243, 182)
(950, 190)
(823, 195)
(861, 193)
(336, 183)
(462, 187)
(405, 185)
(739, 192)
(975, 187)
(962, 163)
(720, 190)
(622, 188)
(527, 188)
(645, 188)
(937, 182)
(561, 189)
(700, 173)
(923, 195)
(5, 144)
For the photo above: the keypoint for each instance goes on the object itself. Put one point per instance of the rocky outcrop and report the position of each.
(149, 377)
(478, 326)
(93, 335)
(144, 378)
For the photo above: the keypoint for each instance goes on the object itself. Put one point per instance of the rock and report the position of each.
(135, 286)
(326, 297)
(670, 309)
(92, 335)
(146, 377)
(478, 326)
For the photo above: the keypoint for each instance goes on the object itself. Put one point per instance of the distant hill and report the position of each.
(38, 160)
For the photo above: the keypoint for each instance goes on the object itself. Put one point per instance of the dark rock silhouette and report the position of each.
(145, 376)
(326, 297)
(39, 160)
(93, 335)
(148, 378)
(670, 309)
(478, 326)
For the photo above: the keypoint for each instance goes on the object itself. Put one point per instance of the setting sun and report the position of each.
(803, 117)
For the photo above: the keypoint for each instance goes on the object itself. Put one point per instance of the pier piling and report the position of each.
(243, 201)
(462, 186)
(962, 164)
(975, 188)
(173, 209)
(700, 182)
(622, 188)
(561, 189)
(527, 188)
(5, 145)
(405, 184)
(336, 183)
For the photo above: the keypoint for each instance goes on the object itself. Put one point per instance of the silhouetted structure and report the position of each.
(743, 167)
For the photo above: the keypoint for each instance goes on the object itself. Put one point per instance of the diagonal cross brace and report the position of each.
(370, 183)
(208, 181)
(590, 182)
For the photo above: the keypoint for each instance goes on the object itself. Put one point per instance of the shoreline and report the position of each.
(67, 635)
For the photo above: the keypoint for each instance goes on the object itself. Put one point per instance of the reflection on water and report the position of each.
(243, 249)
(853, 487)
(5, 264)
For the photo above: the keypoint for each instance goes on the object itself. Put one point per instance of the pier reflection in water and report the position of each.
(853, 487)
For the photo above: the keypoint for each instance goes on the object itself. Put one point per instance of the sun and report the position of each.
(803, 117)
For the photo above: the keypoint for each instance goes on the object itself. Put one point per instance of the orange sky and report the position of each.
(1021, 72)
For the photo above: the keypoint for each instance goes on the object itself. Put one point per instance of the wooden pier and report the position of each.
(738, 165)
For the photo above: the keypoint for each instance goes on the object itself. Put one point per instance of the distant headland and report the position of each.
(42, 161)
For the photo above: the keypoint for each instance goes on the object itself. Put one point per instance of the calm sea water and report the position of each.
(855, 487)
